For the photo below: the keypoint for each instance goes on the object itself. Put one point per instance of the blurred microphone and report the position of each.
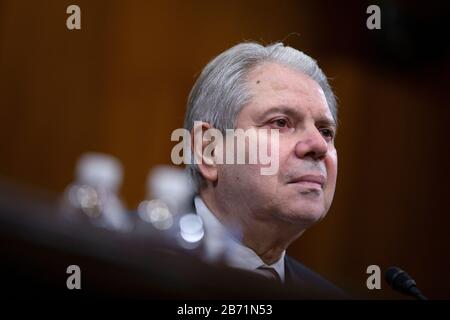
(400, 281)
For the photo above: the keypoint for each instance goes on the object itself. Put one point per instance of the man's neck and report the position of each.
(268, 239)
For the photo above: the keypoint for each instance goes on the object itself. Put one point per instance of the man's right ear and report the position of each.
(203, 148)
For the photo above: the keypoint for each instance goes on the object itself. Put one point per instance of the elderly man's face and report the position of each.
(302, 190)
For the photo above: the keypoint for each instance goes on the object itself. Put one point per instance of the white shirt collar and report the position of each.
(221, 244)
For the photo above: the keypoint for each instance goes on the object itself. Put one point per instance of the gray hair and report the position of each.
(221, 90)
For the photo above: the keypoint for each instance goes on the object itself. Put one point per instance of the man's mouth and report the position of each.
(310, 180)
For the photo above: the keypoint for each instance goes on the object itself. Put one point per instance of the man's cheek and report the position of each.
(243, 174)
(331, 163)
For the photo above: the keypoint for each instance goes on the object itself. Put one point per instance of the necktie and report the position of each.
(269, 273)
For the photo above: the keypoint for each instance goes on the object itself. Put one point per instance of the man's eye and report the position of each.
(327, 133)
(281, 123)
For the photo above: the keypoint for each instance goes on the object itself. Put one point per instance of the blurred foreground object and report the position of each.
(37, 245)
(172, 186)
(170, 207)
(94, 193)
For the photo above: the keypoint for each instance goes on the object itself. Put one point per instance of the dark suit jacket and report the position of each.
(311, 283)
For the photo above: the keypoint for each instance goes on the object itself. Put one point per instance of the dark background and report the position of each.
(119, 85)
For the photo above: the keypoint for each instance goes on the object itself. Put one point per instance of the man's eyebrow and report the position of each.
(325, 121)
(291, 111)
(282, 109)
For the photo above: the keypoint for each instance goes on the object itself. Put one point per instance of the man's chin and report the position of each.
(306, 216)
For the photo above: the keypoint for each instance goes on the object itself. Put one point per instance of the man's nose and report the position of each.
(311, 144)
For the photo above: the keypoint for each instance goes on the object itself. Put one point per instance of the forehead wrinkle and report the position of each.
(264, 73)
(279, 85)
(285, 87)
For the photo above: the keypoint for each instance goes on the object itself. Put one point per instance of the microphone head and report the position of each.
(399, 280)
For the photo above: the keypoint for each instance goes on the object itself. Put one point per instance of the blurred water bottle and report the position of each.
(172, 186)
(94, 193)
(170, 197)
